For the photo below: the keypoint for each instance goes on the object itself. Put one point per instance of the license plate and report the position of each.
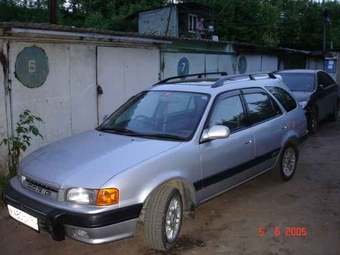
(23, 217)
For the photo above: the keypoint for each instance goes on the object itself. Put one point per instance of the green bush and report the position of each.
(20, 140)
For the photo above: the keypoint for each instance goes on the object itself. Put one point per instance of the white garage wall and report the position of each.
(196, 61)
(67, 101)
(220, 63)
(83, 90)
(269, 63)
(3, 121)
(315, 64)
(199, 63)
(259, 63)
(212, 63)
(123, 72)
(227, 63)
(51, 101)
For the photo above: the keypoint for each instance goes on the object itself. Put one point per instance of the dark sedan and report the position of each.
(316, 92)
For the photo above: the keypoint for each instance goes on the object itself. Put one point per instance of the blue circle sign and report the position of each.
(183, 67)
(242, 64)
(31, 67)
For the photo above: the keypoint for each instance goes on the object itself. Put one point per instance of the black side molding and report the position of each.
(221, 176)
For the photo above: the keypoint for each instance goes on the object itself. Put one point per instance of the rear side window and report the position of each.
(287, 101)
(325, 79)
(299, 81)
(261, 107)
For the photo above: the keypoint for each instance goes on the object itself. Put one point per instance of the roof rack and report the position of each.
(199, 76)
(251, 76)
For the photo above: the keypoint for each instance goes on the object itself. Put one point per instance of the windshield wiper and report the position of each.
(124, 131)
(134, 133)
(165, 136)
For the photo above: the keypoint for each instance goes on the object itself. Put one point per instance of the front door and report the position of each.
(224, 161)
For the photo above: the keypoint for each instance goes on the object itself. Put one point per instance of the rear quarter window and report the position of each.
(287, 101)
(261, 107)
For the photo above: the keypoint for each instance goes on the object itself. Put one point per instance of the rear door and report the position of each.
(268, 124)
(225, 161)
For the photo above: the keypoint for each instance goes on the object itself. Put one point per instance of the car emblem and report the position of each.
(38, 189)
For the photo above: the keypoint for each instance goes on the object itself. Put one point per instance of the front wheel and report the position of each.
(163, 218)
(313, 122)
(287, 162)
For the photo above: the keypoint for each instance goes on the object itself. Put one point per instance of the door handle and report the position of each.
(284, 127)
(249, 142)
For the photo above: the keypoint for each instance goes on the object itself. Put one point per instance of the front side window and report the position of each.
(287, 101)
(158, 114)
(228, 112)
(299, 81)
(261, 107)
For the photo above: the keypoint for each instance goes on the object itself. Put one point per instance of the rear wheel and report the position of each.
(335, 113)
(163, 218)
(287, 162)
(313, 122)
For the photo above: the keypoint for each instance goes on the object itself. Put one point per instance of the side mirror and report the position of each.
(105, 117)
(215, 132)
(321, 87)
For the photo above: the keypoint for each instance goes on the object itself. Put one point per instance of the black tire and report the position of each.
(155, 218)
(313, 121)
(335, 113)
(284, 174)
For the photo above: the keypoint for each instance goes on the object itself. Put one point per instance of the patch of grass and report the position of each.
(4, 180)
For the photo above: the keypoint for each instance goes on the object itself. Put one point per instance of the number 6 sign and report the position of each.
(31, 67)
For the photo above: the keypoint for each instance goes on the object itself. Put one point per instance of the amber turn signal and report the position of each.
(107, 197)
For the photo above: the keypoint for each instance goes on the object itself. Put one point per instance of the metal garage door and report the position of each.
(123, 72)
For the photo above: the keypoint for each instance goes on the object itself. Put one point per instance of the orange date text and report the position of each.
(279, 231)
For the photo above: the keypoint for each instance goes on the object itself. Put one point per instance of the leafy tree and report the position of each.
(285, 23)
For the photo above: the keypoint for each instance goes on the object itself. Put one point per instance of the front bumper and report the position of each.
(95, 228)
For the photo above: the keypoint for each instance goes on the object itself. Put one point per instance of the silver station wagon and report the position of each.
(166, 151)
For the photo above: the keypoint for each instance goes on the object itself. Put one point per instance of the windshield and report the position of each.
(299, 81)
(158, 114)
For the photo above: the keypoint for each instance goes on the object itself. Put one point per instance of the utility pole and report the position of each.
(53, 6)
(324, 35)
(325, 13)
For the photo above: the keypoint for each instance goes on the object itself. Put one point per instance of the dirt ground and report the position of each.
(230, 224)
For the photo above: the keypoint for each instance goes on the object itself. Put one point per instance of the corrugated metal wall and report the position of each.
(155, 22)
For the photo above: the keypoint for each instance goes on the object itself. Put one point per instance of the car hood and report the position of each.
(302, 95)
(90, 159)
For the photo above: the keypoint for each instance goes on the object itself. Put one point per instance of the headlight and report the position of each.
(100, 197)
(81, 196)
(303, 104)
